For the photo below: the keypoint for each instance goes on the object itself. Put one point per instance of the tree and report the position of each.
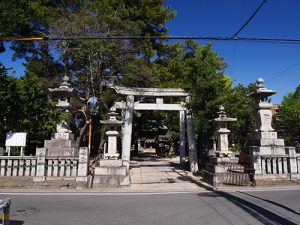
(289, 115)
(199, 70)
(9, 103)
(94, 61)
(38, 116)
(24, 108)
(88, 63)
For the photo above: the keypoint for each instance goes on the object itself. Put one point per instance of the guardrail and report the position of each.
(5, 206)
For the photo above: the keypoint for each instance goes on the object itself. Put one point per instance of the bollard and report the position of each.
(5, 206)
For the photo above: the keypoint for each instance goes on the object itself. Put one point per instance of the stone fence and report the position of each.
(42, 167)
(285, 166)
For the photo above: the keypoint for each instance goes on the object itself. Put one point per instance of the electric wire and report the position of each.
(249, 19)
(282, 72)
(208, 38)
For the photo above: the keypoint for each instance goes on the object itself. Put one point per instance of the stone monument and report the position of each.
(62, 141)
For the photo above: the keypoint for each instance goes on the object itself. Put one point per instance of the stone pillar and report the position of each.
(27, 167)
(9, 167)
(126, 142)
(21, 167)
(3, 167)
(280, 165)
(55, 168)
(82, 164)
(62, 168)
(191, 141)
(182, 136)
(256, 160)
(41, 164)
(291, 151)
(15, 167)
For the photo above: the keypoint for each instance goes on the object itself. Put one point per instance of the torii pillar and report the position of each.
(126, 142)
(191, 140)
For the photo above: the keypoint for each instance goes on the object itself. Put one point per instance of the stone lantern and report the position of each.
(222, 132)
(63, 93)
(62, 142)
(263, 116)
(112, 125)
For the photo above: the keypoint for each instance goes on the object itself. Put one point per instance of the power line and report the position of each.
(213, 38)
(250, 18)
(282, 72)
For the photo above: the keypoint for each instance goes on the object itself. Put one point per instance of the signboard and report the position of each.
(93, 105)
(80, 119)
(16, 139)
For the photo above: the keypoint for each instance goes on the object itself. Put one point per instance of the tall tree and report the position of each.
(289, 115)
(198, 69)
(37, 116)
(9, 103)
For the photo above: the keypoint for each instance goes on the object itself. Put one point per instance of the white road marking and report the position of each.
(148, 193)
(93, 193)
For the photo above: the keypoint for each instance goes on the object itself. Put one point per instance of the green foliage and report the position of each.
(25, 108)
(289, 114)
(9, 102)
(38, 116)
(200, 70)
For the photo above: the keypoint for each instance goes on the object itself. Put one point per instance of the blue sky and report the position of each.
(278, 64)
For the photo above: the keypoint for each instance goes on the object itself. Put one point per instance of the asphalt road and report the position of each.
(221, 208)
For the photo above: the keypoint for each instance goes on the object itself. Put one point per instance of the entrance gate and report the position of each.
(186, 121)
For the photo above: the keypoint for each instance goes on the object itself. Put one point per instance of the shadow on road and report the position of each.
(263, 215)
(272, 202)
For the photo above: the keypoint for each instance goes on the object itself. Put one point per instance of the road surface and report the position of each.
(168, 208)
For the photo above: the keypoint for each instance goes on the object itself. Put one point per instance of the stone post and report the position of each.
(41, 164)
(126, 142)
(3, 167)
(191, 141)
(256, 159)
(182, 136)
(291, 151)
(83, 164)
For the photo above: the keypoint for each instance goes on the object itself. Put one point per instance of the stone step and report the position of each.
(110, 181)
(116, 163)
(110, 170)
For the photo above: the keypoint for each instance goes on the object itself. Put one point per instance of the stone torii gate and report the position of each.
(185, 117)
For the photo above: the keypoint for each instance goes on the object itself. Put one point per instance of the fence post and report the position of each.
(82, 164)
(41, 164)
(291, 151)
